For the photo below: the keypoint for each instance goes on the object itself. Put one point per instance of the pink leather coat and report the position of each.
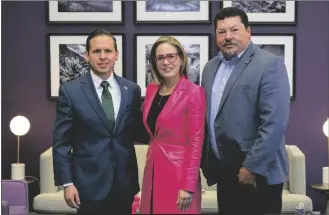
(175, 150)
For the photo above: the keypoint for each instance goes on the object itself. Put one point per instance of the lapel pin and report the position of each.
(126, 88)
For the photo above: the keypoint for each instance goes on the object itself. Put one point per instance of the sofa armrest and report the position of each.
(297, 175)
(47, 182)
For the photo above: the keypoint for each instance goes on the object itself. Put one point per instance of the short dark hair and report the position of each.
(232, 12)
(100, 32)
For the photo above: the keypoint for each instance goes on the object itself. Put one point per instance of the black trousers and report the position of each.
(238, 199)
(116, 202)
(234, 198)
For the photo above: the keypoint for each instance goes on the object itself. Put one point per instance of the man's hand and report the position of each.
(246, 177)
(71, 196)
(184, 200)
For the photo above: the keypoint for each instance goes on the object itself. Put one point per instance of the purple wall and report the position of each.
(25, 78)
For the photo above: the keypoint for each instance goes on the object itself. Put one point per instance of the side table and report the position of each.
(324, 189)
(34, 189)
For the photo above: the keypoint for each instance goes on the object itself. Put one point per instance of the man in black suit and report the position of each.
(93, 150)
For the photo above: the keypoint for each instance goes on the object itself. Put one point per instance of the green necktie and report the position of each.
(108, 103)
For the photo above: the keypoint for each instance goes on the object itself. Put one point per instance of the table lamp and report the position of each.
(19, 125)
(325, 129)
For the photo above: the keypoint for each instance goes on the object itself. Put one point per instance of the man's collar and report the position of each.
(98, 80)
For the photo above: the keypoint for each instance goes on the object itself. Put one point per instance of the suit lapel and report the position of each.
(89, 90)
(241, 65)
(147, 105)
(123, 103)
(174, 98)
(211, 76)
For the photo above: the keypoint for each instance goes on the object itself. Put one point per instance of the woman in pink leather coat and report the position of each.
(174, 116)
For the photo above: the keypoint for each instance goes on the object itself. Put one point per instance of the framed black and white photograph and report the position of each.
(100, 11)
(267, 12)
(178, 11)
(196, 47)
(66, 61)
(282, 45)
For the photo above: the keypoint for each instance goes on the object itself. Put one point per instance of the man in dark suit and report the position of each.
(248, 104)
(93, 150)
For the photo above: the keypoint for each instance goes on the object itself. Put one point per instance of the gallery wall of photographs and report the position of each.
(136, 25)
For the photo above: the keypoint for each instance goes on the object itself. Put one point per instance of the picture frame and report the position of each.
(66, 62)
(172, 12)
(84, 12)
(267, 12)
(197, 47)
(283, 45)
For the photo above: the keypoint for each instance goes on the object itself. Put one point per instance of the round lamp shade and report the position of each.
(326, 128)
(19, 125)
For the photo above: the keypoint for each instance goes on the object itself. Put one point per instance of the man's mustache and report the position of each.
(229, 43)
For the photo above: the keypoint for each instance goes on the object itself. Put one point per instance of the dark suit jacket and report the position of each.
(85, 151)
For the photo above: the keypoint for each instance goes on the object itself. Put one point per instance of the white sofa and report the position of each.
(51, 198)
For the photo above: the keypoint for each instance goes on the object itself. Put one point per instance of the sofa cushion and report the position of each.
(52, 202)
(290, 200)
(209, 201)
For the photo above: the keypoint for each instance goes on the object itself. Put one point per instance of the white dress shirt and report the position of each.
(222, 75)
(114, 89)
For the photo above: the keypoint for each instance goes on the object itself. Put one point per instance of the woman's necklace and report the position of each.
(159, 103)
(160, 100)
(164, 93)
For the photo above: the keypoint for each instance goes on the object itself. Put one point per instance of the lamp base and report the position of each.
(17, 171)
(325, 175)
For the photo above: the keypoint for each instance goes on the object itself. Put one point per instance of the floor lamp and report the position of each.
(19, 125)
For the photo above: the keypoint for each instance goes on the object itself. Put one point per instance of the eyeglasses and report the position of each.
(171, 57)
